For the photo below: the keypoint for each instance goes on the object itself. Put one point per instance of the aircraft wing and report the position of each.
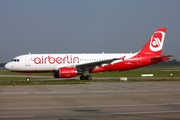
(160, 57)
(97, 63)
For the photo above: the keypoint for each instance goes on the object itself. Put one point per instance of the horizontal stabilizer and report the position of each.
(160, 57)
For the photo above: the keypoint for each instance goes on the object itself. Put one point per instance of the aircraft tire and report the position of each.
(88, 77)
(82, 77)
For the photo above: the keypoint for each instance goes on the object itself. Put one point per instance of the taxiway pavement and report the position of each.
(92, 101)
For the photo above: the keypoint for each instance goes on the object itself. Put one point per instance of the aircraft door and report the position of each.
(28, 61)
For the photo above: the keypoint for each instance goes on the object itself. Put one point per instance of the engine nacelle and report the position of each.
(65, 73)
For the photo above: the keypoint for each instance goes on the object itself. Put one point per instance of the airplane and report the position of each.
(71, 65)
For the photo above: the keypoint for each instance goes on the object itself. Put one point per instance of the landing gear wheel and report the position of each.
(82, 77)
(88, 77)
(27, 79)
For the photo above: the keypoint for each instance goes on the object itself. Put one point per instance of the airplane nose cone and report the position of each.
(8, 66)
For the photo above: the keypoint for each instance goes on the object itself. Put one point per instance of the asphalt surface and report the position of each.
(92, 101)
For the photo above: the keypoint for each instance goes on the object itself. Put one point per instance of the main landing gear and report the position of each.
(88, 77)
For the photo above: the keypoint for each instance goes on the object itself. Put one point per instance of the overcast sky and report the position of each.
(86, 26)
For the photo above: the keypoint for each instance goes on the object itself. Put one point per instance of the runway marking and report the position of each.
(93, 106)
(30, 116)
(135, 113)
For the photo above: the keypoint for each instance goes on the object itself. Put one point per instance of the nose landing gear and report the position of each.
(28, 79)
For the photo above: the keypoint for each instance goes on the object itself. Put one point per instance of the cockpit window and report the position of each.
(15, 60)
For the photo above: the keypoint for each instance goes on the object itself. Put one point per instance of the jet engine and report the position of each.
(65, 73)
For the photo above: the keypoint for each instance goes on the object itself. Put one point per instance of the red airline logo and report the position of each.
(157, 41)
(68, 59)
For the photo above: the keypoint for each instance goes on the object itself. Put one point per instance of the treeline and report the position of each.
(2, 64)
(172, 62)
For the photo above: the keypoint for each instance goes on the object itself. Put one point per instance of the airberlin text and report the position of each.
(68, 59)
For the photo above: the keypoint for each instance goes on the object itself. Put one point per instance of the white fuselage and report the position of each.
(51, 62)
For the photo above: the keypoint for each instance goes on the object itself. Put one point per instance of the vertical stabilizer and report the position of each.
(155, 43)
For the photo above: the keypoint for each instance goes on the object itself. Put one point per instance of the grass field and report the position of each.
(159, 73)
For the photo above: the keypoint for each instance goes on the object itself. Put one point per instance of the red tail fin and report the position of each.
(155, 43)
